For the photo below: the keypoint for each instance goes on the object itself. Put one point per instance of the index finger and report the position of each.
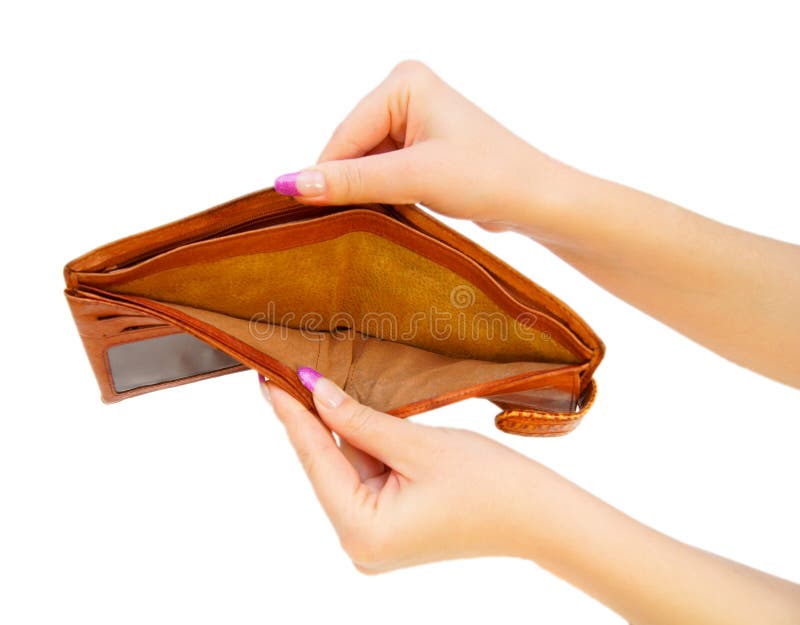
(378, 116)
(331, 475)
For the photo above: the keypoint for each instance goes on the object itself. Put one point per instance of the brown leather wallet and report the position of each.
(403, 312)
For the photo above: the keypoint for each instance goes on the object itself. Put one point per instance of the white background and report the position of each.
(187, 505)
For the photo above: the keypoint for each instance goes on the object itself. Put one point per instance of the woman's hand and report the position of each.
(415, 139)
(401, 493)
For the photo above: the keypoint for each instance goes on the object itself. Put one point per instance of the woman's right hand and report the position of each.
(415, 139)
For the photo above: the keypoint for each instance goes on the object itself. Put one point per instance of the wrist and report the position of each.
(532, 515)
(557, 201)
(551, 516)
(559, 205)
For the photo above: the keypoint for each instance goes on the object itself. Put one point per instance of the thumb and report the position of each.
(396, 177)
(393, 441)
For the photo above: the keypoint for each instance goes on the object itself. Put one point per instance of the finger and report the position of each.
(333, 478)
(395, 442)
(365, 465)
(398, 176)
(370, 122)
(383, 112)
(387, 145)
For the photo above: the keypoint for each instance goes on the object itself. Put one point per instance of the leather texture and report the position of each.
(207, 275)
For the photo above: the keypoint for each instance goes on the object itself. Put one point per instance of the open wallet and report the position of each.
(400, 310)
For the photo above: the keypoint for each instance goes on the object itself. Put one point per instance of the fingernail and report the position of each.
(308, 183)
(308, 377)
(262, 385)
(324, 389)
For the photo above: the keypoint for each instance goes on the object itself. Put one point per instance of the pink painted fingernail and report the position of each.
(308, 377)
(308, 183)
(324, 390)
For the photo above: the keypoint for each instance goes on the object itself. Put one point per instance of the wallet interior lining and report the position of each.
(382, 374)
(415, 328)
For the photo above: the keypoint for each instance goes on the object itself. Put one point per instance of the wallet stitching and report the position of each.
(319, 354)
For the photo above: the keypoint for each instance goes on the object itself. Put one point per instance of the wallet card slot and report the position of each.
(161, 359)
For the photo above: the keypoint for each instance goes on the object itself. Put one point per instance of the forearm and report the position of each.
(642, 574)
(735, 292)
